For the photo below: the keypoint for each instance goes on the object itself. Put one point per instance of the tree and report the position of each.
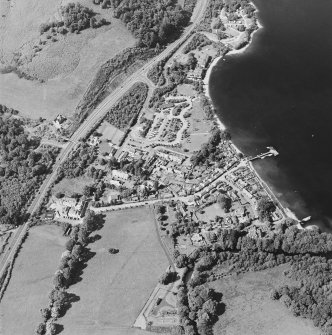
(45, 313)
(70, 244)
(205, 263)
(82, 236)
(210, 306)
(265, 207)
(59, 280)
(181, 261)
(87, 191)
(224, 202)
(57, 295)
(167, 278)
(59, 195)
(89, 221)
(41, 329)
(51, 328)
(77, 251)
(218, 24)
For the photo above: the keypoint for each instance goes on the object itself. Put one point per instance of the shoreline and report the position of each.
(285, 210)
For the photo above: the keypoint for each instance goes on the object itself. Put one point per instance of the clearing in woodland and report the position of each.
(31, 281)
(250, 310)
(114, 288)
(67, 65)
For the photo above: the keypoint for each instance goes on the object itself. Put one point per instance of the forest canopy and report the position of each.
(23, 165)
(151, 22)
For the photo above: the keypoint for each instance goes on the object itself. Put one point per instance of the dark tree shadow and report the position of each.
(221, 308)
(78, 273)
(58, 328)
(99, 221)
(70, 300)
(94, 238)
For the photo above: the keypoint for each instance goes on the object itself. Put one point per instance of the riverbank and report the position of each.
(286, 211)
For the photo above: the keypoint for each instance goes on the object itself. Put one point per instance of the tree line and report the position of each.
(24, 165)
(68, 273)
(78, 161)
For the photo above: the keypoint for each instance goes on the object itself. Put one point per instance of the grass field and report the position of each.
(109, 132)
(75, 185)
(199, 129)
(31, 282)
(187, 89)
(114, 288)
(67, 65)
(251, 311)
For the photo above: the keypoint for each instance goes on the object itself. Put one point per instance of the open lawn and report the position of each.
(114, 288)
(251, 311)
(31, 281)
(187, 89)
(67, 65)
(109, 132)
(199, 130)
(210, 212)
(75, 185)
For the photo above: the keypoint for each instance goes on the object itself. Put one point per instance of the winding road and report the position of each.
(99, 112)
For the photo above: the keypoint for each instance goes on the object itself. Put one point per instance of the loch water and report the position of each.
(278, 93)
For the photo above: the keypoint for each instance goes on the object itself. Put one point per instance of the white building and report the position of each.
(59, 120)
(93, 141)
(117, 174)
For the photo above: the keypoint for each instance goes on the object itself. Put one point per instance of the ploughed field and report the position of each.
(115, 287)
(31, 281)
(250, 310)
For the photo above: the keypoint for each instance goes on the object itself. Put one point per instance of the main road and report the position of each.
(96, 116)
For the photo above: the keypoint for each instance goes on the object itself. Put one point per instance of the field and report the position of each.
(31, 281)
(199, 129)
(109, 132)
(251, 311)
(74, 185)
(67, 66)
(187, 89)
(114, 288)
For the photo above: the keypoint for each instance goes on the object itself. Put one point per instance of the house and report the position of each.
(116, 183)
(247, 194)
(197, 239)
(69, 208)
(49, 215)
(93, 141)
(120, 175)
(113, 198)
(58, 121)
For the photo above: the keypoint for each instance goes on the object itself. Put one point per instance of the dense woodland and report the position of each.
(232, 5)
(312, 298)
(22, 168)
(125, 112)
(211, 151)
(151, 22)
(233, 251)
(78, 162)
(212, 11)
(197, 42)
(75, 18)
